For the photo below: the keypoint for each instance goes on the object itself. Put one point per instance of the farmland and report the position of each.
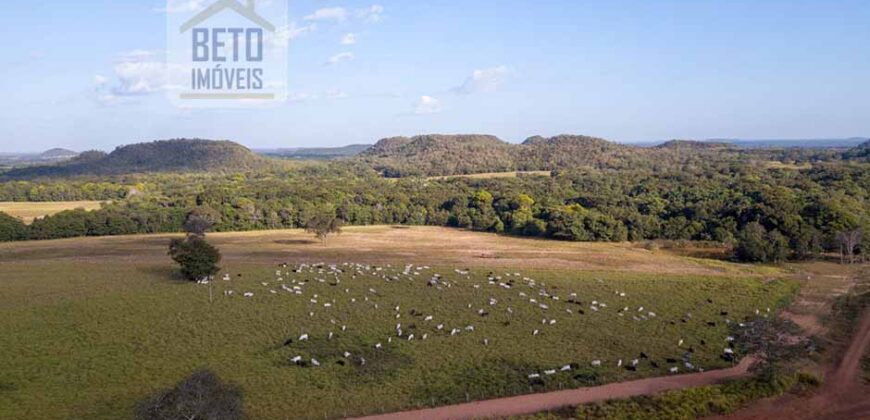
(91, 326)
(30, 211)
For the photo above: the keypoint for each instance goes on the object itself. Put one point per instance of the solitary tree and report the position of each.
(198, 259)
(323, 223)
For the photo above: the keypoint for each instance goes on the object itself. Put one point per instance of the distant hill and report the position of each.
(182, 155)
(792, 143)
(437, 154)
(694, 144)
(316, 153)
(441, 155)
(860, 152)
(58, 153)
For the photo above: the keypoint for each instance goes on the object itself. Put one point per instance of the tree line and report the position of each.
(767, 214)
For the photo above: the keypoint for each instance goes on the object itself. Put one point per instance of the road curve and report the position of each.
(534, 403)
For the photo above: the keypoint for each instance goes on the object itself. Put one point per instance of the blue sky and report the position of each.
(623, 70)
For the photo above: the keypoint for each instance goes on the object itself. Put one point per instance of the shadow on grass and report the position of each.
(296, 242)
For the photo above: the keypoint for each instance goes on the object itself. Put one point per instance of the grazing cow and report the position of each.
(288, 342)
(675, 369)
(596, 363)
(296, 360)
(303, 337)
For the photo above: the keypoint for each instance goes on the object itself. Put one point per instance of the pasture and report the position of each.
(89, 330)
(30, 211)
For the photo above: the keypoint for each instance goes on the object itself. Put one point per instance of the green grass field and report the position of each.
(89, 337)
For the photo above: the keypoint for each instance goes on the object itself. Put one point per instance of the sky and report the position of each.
(89, 74)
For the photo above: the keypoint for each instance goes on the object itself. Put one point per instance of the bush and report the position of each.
(11, 229)
(691, 403)
(198, 258)
(201, 396)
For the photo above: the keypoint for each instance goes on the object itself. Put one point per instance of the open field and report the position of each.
(29, 211)
(93, 325)
(397, 245)
(490, 175)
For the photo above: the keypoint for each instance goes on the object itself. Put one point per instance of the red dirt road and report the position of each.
(843, 396)
(528, 404)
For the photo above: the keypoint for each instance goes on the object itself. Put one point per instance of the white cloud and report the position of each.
(484, 80)
(335, 94)
(349, 39)
(301, 97)
(285, 34)
(182, 6)
(427, 105)
(135, 73)
(371, 14)
(337, 14)
(339, 58)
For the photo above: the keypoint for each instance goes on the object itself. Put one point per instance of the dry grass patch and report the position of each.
(386, 244)
(30, 211)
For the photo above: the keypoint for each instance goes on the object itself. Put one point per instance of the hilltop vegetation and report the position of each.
(160, 156)
(440, 155)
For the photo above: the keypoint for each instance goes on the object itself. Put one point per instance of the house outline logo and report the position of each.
(227, 53)
(248, 11)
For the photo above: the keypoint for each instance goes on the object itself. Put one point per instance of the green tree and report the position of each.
(323, 223)
(198, 259)
(752, 244)
(11, 229)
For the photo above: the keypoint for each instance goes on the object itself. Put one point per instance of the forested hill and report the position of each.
(434, 155)
(859, 153)
(182, 155)
(438, 155)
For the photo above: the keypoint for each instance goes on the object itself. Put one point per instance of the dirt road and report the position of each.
(527, 404)
(843, 396)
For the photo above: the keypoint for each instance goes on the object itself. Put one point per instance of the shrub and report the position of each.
(201, 396)
(11, 229)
